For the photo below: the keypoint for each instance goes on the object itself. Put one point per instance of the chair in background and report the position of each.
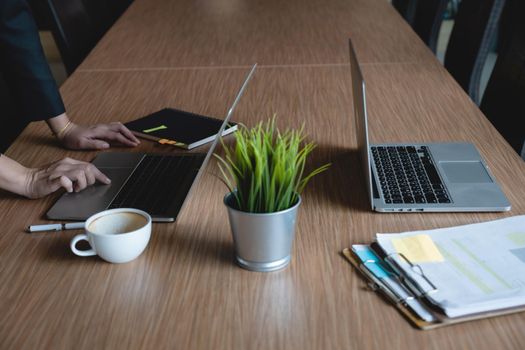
(428, 20)
(100, 15)
(406, 8)
(116, 8)
(40, 14)
(504, 100)
(73, 29)
(424, 16)
(104, 13)
(77, 25)
(474, 32)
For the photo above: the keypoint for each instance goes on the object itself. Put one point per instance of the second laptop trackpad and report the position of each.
(465, 172)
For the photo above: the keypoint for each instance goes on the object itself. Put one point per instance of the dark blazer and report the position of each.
(28, 90)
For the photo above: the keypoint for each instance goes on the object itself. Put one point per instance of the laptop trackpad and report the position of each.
(81, 205)
(465, 172)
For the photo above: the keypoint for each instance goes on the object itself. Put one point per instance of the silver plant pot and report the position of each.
(263, 242)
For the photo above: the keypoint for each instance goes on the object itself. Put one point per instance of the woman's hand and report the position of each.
(97, 136)
(70, 174)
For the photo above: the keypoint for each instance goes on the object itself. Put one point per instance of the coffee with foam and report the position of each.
(117, 223)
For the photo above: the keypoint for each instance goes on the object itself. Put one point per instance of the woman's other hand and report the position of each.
(98, 136)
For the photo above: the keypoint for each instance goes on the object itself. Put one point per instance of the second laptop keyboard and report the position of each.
(407, 174)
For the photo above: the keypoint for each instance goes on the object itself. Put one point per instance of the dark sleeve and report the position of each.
(24, 65)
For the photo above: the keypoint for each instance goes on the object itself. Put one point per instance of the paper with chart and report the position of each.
(476, 268)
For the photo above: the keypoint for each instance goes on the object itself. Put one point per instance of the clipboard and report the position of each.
(440, 319)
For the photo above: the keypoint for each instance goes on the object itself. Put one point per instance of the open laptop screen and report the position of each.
(142, 181)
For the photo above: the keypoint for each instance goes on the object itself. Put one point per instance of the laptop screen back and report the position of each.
(135, 184)
(360, 116)
(221, 130)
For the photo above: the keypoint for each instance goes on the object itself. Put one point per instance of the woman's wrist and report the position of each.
(60, 125)
(14, 177)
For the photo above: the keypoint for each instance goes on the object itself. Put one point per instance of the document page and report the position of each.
(475, 268)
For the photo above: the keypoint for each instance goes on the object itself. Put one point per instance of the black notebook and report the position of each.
(179, 128)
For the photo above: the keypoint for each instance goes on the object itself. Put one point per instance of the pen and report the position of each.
(407, 299)
(55, 227)
(394, 290)
(407, 278)
(377, 284)
(397, 294)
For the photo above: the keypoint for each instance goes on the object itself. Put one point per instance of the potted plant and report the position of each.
(264, 171)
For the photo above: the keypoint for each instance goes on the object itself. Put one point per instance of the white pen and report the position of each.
(55, 227)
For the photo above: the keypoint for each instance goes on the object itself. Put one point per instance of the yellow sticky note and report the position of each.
(418, 249)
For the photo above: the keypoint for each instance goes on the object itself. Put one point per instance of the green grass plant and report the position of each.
(265, 169)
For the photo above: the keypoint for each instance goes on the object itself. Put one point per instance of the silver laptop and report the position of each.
(422, 177)
(156, 183)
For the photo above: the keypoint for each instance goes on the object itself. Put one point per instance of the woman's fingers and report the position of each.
(114, 132)
(123, 140)
(98, 136)
(93, 144)
(121, 128)
(65, 182)
(99, 176)
(70, 174)
(78, 177)
(75, 175)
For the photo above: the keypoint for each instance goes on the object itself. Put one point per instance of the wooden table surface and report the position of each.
(185, 291)
(186, 33)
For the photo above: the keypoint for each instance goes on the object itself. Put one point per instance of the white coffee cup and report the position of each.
(116, 235)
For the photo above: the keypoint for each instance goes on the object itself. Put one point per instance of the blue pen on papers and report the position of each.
(380, 271)
(391, 282)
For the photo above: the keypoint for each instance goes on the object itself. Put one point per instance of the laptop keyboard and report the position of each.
(407, 174)
(159, 182)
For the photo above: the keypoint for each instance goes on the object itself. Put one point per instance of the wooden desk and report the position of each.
(185, 33)
(185, 291)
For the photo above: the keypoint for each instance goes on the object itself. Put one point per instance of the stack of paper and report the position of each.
(464, 270)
